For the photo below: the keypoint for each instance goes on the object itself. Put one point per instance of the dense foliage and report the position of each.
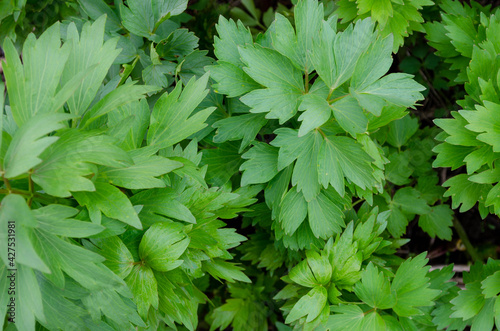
(274, 167)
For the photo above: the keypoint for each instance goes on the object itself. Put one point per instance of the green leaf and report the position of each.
(347, 317)
(144, 287)
(401, 130)
(309, 305)
(469, 301)
(162, 244)
(437, 222)
(120, 96)
(373, 64)
(32, 85)
(225, 270)
(284, 82)
(293, 211)
(30, 141)
(231, 35)
(325, 216)
(118, 257)
(244, 127)
(14, 210)
(143, 18)
(317, 112)
(412, 287)
(56, 219)
(302, 274)
(142, 174)
(320, 266)
(491, 285)
(464, 192)
(308, 19)
(170, 121)
(260, 60)
(396, 88)
(73, 157)
(161, 201)
(485, 121)
(341, 157)
(350, 115)
(133, 137)
(279, 103)
(262, 164)
(111, 202)
(231, 79)
(223, 162)
(375, 289)
(410, 201)
(86, 51)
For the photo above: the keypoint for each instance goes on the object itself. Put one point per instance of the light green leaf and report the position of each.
(86, 51)
(14, 210)
(316, 113)
(372, 64)
(231, 79)
(73, 157)
(262, 164)
(163, 202)
(325, 216)
(464, 192)
(320, 266)
(120, 96)
(118, 257)
(231, 35)
(218, 268)
(349, 115)
(293, 211)
(347, 317)
(302, 274)
(30, 141)
(111, 202)
(341, 157)
(170, 121)
(279, 103)
(375, 289)
(309, 305)
(437, 222)
(56, 219)
(401, 130)
(144, 287)
(133, 137)
(162, 244)
(270, 68)
(412, 287)
(244, 127)
(142, 174)
(32, 85)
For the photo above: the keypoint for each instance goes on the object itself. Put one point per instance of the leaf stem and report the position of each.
(338, 98)
(38, 196)
(7, 184)
(322, 133)
(357, 203)
(31, 188)
(465, 239)
(306, 79)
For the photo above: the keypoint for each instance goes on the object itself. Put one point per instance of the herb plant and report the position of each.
(283, 184)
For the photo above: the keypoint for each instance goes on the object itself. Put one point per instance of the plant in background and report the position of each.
(120, 192)
(113, 217)
(322, 95)
(399, 18)
(461, 27)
